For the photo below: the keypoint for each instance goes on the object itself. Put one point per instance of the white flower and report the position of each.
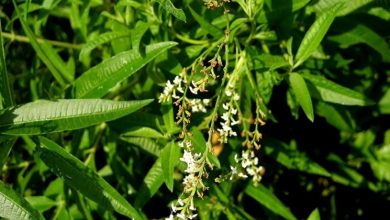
(236, 97)
(192, 216)
(180, 201)
(236, 158)
(242, 175)
(228, 93)
(181, 216)
(177, 80)
(171, 217)
(225, 116)
(173, 207)
(225, 106)
(194, 90)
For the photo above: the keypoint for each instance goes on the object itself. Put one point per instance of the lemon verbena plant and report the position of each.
(167, 109)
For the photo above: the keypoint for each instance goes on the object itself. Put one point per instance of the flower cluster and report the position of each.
(228, 117)
(199, 105)
(249, 166)
(171, 89)
(184, 207)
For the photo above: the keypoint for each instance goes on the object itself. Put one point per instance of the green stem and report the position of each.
(24, 39)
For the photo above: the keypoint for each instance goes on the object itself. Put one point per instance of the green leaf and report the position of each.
(6, 96)
(145, 144)
(209, 28)
(314, 215)
(292, 158)
(41, 203)
(315, 34)
(381, 169)
(265, 197)
(83, 179)
(98, 80)
(14, 206)
(362, 34)
(200, 147)
(47, 54)
(331, 92)
(142, 132)
(101, 39)
(384, 103)
(6, 100)
(336, 116)
(168, 117)
(169, 157)
(137, 33)
(170, 8)
(65, 114)
(349, 6)
(302, 94)
(152, 182)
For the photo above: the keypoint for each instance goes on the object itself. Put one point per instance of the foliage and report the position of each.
(175, 109)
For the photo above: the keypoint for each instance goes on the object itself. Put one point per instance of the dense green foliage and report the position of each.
(153, 109)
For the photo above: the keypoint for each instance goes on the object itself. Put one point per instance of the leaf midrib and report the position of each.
(67, 117)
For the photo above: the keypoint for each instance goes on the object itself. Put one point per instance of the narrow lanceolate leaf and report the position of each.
(14, 206)
(152, 182)
(302, 94)
(145, 144)
(170, 8)
(83, 179)
(363, 34)
(329, 91)
(103, 38)
(205, 25)
(47, 54)
(315, 34)
(145, 132)
(6, 99)
(265, 197)
(314, 215)
(169, 157)
(97, 81)
(65, 114)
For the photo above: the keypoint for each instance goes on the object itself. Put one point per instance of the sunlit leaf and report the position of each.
(338, 117)
(103, 38)
(142, 132)
(168, 6)
(169, 158)
(266, 198)
(384, 103)
(314, 215)
(145, 144)
(315, 34)
(81, 178)
(302, 94)
(329, 91)
(41, 203)
(14, 206)
(98, 80)
(152, 182)
(65, 114)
